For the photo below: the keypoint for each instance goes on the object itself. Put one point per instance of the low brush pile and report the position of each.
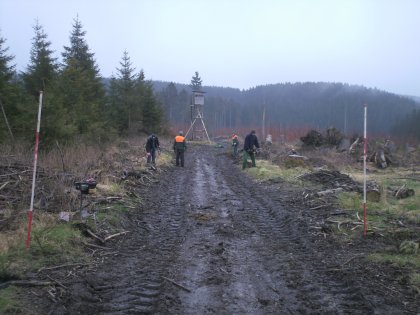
(331, 179)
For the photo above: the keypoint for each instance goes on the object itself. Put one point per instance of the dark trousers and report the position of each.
(152, 155)
(235, 149)
(180, 154)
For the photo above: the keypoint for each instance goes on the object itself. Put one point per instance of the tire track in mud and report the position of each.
(209, 228)
(252, 256)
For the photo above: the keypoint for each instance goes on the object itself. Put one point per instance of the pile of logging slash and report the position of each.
(379, 157)
(331, 180)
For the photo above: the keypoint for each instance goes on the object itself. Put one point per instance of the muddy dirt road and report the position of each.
(237, 246)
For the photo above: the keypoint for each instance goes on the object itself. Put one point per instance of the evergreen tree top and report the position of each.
(6, 71)
(40, 44)
(42, 66)
(196, 82)
(126, 74)
(78, 54)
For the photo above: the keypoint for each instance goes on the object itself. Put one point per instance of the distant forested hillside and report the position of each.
(318, 104)
(78, 103)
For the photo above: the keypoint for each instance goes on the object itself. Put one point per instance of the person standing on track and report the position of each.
(250, 141)
(180, 146)
(235, 143)
(152, 145)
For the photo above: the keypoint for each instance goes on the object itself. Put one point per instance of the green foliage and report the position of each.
(132, 103)
(319, 104)
(293, 162)
(8, 300)
(6, 70)
(196, 82)
(42, 68)
(151, 110)
(8, 90)
(408, 127)
(78, 53)
(5, 263)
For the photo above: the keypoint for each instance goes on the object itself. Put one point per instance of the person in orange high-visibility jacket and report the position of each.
(180, 146)
(235, 143)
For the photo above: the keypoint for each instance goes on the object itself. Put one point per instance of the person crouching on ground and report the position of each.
(180, 146)
(151, 146)
(250, 141)
(235, 143)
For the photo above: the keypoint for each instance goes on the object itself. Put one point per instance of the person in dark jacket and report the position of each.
(152, 145)
(251, 140)
(180, 146)
(235, 143)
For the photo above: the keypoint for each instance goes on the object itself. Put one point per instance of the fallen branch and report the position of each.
(348, 261)
(102, 222)
(61, 285)
(95, 236)
(398, 192)
(354, 143)
(96, 246)
(52, 296)
(336, 269)
(114, 235)
(106, 254)
(177, 284)
(4, 185)
(319, 207)
(69, 265)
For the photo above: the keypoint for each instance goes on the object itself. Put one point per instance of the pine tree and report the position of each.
(6, 71)
(81, 85)
(125, 103)
(196, 82)
(78, 55)
(7, 91)
(42, 67)
(151, 111)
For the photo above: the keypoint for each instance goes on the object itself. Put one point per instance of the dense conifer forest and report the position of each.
(318, 104)
(81, 104)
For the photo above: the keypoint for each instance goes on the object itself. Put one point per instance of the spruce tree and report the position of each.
(6, 70)
(125, 103)
(196, 82)
(151, 111)
(78, 55)
(82, 86)
(7, 91)
(42, 67)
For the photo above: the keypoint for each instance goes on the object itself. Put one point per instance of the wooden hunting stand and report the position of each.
(197, 114)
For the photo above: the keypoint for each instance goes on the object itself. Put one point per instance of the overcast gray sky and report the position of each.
(235, 43)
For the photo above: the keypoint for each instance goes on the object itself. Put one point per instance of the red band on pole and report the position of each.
(35, 164)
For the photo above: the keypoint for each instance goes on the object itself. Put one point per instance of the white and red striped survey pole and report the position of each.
(35, 163)
(364, 175)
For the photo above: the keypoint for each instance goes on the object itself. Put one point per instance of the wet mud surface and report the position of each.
(239, 247)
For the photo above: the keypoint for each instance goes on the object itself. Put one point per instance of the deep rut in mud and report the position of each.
(234, 244)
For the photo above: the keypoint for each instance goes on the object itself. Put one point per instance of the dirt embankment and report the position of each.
(238, 247)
